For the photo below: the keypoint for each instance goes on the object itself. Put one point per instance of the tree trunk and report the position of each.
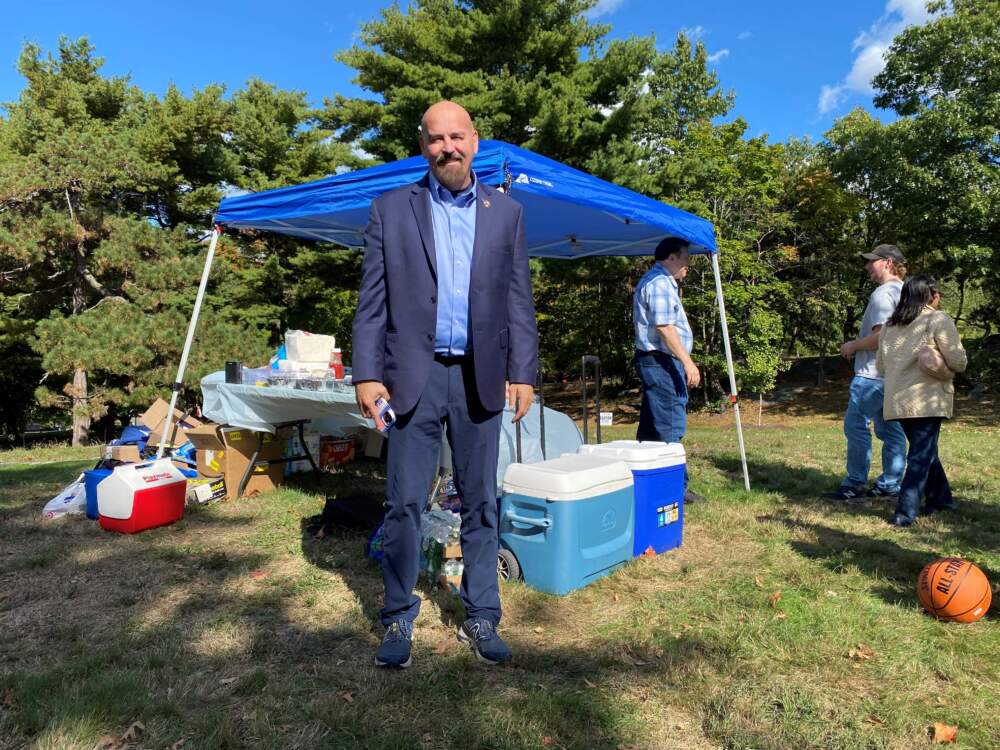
(81, 422)
(961, 298)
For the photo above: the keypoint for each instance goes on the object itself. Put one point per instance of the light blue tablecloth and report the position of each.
(257, 408)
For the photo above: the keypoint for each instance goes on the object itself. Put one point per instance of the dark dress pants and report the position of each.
(449, 398)
(924, 476)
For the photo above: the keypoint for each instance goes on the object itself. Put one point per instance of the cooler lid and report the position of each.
(571, 477)
(640, 454)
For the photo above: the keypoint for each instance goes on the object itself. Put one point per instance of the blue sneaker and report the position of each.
(883, 494)
(845, 494)
(481, 635)
(395, 648)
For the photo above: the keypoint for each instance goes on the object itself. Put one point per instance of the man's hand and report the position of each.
(367, 393)
(692, 374)
(847, 349)
(522, 394)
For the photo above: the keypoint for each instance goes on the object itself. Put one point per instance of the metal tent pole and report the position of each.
(734, 399)
(179, 380)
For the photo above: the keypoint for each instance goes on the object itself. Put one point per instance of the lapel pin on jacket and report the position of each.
(486, 203)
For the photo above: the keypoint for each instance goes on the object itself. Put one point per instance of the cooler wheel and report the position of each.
(507, 566)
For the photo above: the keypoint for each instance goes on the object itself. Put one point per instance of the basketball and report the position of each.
(954, 589)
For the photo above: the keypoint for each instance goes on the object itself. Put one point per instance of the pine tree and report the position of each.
(516, 66)
(105, 195)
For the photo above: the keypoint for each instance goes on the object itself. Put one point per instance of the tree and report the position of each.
(516, 66)
(821, 245)
(674, 149)
(277, 140)
(943, 79)
(100, 185)
(737, 182)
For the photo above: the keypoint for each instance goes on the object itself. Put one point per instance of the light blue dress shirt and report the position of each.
(454, 218)
(657, 302)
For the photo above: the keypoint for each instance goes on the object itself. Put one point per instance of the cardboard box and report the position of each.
(127, 453)
(206, 490)
(314, 442)
(155, 418)
(224, 451)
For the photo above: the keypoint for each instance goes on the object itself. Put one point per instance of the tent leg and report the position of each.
(729, 364)
(179, 380)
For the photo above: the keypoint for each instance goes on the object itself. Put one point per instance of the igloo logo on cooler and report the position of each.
(150, 478)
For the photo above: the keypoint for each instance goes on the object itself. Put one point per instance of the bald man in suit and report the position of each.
(445, 331)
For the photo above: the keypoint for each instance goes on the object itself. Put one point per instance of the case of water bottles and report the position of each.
(440, 550)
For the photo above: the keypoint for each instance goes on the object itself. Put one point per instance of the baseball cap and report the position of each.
(885, 251)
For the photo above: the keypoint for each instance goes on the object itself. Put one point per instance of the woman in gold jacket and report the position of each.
(919, 352)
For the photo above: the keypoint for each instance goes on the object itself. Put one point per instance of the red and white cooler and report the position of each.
(143, 496)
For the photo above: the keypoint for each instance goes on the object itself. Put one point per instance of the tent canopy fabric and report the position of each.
(568, 213)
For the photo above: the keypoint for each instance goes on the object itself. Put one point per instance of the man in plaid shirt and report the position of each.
(663, 343)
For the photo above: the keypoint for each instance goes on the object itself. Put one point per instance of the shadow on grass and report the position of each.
(882, 559)
(794, 482)
(362, 481)
(23, 485)
(976, 524)
(177, 628)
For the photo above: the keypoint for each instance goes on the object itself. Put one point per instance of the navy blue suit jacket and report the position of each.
(396, 319)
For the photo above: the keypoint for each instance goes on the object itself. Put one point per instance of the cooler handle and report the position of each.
(545, 523)
(151, 462)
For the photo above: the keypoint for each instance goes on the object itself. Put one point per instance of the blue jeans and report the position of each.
(925, 475)
(864, 408)
(449, 398)
(663, 412)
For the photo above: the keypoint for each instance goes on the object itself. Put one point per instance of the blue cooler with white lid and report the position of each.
(568, 521)
(658, 470)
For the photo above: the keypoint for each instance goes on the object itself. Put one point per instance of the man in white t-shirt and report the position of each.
(886, 267)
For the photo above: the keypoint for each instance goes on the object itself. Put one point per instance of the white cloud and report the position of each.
(870, 47)
(830, 97)
(867, 65)
(694, 33)
(744, 35)
(604, 8)
(716, 56)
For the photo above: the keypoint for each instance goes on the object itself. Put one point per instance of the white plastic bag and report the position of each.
(73, 499)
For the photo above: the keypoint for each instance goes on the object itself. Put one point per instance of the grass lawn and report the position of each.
(783, 622)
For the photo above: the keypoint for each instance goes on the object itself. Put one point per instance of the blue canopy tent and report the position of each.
(568, 214)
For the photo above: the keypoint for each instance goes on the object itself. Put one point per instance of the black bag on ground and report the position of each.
(360, 512)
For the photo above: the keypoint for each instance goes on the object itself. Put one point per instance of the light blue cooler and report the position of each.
(568, 521)
(658, 469)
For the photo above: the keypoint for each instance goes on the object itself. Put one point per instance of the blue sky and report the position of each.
(795, 66)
